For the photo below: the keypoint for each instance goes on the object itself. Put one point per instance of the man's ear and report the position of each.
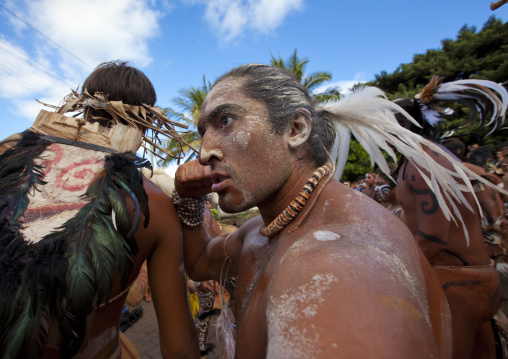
(300, 128)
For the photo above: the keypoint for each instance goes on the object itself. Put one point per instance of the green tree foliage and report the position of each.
(329, 94)
(473, 55)
(358, 162)
(297, 66)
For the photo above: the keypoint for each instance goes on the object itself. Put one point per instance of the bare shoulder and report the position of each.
(163, 217)
(344, 302)
(357, 218)
(360, 274)
(354, 254)
(156, 196)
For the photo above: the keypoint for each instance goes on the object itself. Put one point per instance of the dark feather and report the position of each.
(71, 270)
(19, 174)
(97, 248)
(41, 317)
(137, 208)
(117, 202)
(486, 101)
(103, 261)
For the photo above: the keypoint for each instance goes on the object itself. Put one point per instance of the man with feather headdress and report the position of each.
(457, 251)
(78, 220)
(313, 279)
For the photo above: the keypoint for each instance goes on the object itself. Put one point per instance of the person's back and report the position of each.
(89, 221)
(442, 241)
(462, 264)
(452, 240)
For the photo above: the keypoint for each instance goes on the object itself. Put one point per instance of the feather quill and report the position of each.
(370, 117)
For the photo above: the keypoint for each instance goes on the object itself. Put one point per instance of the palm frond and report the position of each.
(315, 79)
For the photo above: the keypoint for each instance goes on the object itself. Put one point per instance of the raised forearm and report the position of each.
(204, 256)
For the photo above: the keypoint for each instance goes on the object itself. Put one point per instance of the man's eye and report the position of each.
(226, 121)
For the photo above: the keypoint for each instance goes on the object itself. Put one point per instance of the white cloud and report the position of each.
(92, 31)
(269, 14)
(22, 75)
(230, 18)
(344, 85)
(98, 30)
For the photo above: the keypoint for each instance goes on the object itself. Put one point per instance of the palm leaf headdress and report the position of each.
(152, 118)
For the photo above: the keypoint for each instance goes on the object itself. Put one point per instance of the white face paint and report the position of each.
(242, 139)
(212, 152)
(253, 161)
(326, 236)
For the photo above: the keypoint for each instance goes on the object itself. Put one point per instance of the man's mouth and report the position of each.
(219, 181)
(218, 177)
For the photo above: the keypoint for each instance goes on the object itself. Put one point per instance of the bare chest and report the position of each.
(254, 276)
(256, 256)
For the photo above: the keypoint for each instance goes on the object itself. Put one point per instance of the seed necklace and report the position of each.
(298, 203)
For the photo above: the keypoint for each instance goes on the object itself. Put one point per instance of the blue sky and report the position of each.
(175, 42)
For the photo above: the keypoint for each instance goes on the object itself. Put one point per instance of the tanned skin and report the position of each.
(444, 244)
(332, 288)
(490, 200)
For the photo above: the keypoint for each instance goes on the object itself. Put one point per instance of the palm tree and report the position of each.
(189, 102)
(297, 66)
(332, 93)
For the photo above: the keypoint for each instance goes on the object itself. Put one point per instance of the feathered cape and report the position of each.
(71, 270)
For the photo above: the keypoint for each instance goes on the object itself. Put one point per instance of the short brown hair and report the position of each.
(121, 83)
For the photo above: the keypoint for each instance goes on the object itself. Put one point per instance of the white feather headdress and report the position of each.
(370, 117)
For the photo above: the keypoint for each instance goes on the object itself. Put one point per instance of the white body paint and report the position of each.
(326, 236)
(286, 338)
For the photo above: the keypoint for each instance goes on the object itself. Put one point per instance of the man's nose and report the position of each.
(209, 152)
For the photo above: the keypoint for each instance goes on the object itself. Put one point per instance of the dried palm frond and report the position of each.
(150, 117)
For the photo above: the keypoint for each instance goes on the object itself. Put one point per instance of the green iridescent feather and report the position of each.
(70, 271)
